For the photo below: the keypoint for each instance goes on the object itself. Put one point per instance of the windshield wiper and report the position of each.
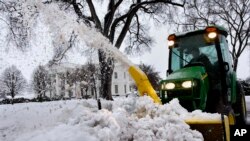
(180, 57)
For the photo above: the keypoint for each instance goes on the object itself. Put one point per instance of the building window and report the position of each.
(125, 89)
(124, 74)
(116, 89)
(132, 88)
(115, 74)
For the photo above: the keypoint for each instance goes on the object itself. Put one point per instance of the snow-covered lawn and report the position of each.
(124, 119)
(248, 109)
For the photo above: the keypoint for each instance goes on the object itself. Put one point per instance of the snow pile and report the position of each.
(124, 119)
(155, 122)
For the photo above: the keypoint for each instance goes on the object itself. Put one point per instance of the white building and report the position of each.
(60, 87)
(122, 82)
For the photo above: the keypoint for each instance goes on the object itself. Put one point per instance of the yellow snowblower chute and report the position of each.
(143, 84)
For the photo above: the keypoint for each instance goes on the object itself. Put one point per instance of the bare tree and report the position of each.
(233, 14)
(236, 14)
(41, 81)
(122, 19)
(248, 80)
(82, 78)
(93, 75)
(2, 91)
(18, 17)
(153, 76)
(13, 81)
(61, 49)
(79, 76)
(86, 76)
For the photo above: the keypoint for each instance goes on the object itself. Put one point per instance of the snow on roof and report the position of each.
(63, 67)
(220, 28)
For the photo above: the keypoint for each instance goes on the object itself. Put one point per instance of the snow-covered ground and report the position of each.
(132, 118)
(248, 109)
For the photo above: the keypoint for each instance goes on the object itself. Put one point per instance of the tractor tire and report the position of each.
(240, 105)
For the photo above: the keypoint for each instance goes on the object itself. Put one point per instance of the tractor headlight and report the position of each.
(211, 32)
(170, 86)
(188, 84)
(212, 35)
(171, 40)
(171, 43)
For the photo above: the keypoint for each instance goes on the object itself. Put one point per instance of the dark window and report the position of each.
(115, 74)
(116, 89)
(125, 89)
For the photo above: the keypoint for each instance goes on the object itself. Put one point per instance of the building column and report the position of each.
(58, 89)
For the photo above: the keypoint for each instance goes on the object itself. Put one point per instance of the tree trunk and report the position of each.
(50, 93)
(82, 93)
(12, 96)
(235, 64)
(106, 67)
(86, 92)
(95, 92)
(44, 94)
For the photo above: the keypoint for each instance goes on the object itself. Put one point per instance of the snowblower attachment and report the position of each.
(143, 84)
(212, 130)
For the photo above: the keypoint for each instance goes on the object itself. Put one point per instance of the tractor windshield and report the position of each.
(187, 46)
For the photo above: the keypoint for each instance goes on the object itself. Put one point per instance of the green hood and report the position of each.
(196, 72)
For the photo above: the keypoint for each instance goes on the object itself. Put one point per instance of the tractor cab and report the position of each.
(200, 71)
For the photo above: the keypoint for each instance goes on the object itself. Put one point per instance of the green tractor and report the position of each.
(200, 74)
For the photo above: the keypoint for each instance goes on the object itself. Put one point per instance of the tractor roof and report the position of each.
(221, 30)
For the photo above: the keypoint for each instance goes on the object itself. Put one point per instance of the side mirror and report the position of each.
(226, 66)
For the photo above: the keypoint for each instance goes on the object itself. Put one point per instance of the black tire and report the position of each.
(240, 105)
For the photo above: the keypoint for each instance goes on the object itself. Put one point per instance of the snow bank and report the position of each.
(124, 119)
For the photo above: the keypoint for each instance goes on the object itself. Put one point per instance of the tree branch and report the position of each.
(61, 54)
(110, 15)
(130, 14)
(94, 15)
(79, 13)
